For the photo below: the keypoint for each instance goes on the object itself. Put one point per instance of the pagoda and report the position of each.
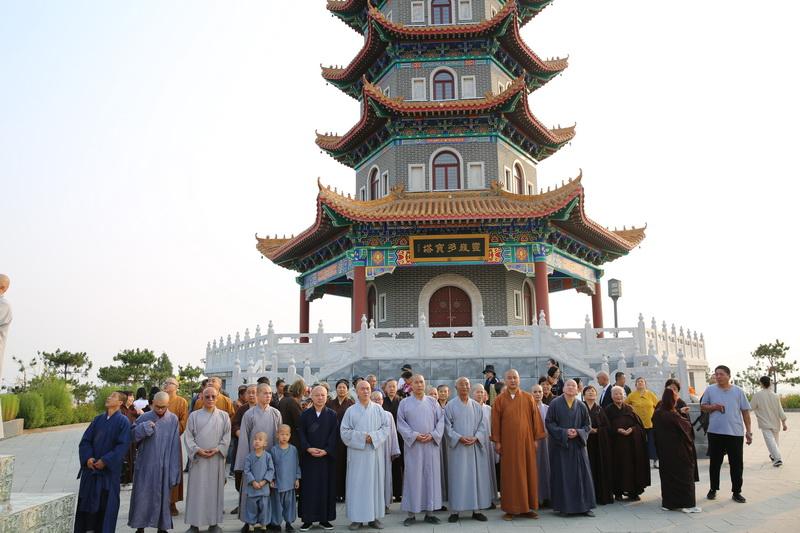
(447, 222)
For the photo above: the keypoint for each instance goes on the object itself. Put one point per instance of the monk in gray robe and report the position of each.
(568, 425)
(420, 421)
(260, 417)
(208, 435)
(158, 466)
(391, 448)
(468, 441)
(364, 430)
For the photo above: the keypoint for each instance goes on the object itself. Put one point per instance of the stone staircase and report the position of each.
(35, 513)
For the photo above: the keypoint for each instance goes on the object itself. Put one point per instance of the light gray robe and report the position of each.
(157, 469)
(422, 482)
(205, 482)
(255, 420)
(391, 449)
(365, 462)
(492, 456)
(468, 466)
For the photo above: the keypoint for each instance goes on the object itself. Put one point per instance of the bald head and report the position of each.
(5, 281)
(512, 380)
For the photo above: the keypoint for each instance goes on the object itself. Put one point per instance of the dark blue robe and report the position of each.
(571, 486)
(318, 488)
(98, 497)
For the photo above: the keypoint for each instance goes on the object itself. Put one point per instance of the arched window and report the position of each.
(441, 12)
(444, 85)
(519, 179)
(446, 171)
(374, 184)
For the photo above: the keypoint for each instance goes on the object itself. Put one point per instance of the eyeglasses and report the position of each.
(161, 407)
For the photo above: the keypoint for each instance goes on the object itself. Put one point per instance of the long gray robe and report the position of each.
(571, 485)
(468, 466)
(422, 482)
(494, 459)
(206, 479)
(366, 468)
(543, 460)
(391, 449)
(255, 420)
(158, 469)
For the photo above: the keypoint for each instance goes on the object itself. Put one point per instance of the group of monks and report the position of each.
(569, 454)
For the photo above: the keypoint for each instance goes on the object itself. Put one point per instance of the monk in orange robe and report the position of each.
(180, 408)
(516, 426)
(223, 402)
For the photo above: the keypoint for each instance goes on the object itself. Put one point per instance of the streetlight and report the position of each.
(615, 292)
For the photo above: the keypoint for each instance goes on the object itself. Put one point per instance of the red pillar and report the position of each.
(542, 290)
(359, 295)
(597, 308)
(304, 314)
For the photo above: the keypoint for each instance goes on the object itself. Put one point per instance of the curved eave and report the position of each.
(351, 12)
(515, 45)
(617, 242)
(373, 47)
(530, 8)
(377, 108)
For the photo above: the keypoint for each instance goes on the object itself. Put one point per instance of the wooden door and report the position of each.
(450, 307)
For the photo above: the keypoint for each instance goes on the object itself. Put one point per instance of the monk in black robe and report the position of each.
(629, 448)
(677, 456)
(568, 426)
(598, 445)
(339, 405)
(319, 434)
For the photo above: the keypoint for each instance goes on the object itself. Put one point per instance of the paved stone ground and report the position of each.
(47, 462)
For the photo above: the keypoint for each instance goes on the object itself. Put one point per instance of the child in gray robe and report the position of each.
(287, 479)
(259, 473)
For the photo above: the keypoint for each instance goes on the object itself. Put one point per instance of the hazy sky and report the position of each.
(143, 144)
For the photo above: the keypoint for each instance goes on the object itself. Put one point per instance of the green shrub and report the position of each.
(56, 416)
(85, 412)
(31, 408)
(56, 394)
(10, 404)
(791, 401)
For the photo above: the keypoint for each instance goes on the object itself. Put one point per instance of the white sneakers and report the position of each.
(688, 510)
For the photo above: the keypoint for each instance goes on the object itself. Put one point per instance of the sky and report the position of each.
(144, 144)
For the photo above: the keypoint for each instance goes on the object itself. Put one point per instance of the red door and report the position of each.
(528, 298)
(450, 307)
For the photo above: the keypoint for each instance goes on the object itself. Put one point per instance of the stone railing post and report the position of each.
(683, 376)
(604, 365)
(588, 334)
(291, 373)
(641, 335)
(622, 364)
(320, 343)
(364, 338)
(481, 336)
(272, 340)
(236, 378)
(307, 372)
(422, 336)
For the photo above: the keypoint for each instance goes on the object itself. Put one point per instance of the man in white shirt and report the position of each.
(769, 413)
(5, 321)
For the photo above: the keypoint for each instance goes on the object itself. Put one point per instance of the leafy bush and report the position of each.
(10, 404)
(85, 412)
(56, 416)
(31, 408)
(56, 394)
(791, 401)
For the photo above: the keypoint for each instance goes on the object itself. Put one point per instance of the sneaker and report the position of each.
(695, 509)
(429, 518)
(738, 498)
(665, 509)
(590, 514)
(376, 524)
(712, 494)
(410, 521)
(354, 526)
(326, 525)
(305, 526)
(777, 463)
(453, 518)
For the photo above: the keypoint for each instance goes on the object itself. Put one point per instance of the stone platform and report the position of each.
(32, 512)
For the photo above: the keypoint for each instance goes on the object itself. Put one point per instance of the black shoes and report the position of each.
(305, 526)
(245, 529)
(480, 517)
(738, 498)
(453, 518)
(410, 521)
(712, 495)
(429, 518)
(326, 525)
(634, 498)
(289, 528)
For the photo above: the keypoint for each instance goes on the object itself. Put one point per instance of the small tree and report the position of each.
(134, 367)
(748, 379)
(161, 370)
(772, 357)
(26, 372)
(68, 364)
(189, 379)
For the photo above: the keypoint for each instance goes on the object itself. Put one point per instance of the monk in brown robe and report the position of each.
(628, 448)
(516, 426)
(179, 407)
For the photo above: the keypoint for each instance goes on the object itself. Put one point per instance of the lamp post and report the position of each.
(615, 292)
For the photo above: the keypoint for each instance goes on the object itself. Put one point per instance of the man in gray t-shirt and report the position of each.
(728, 428)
